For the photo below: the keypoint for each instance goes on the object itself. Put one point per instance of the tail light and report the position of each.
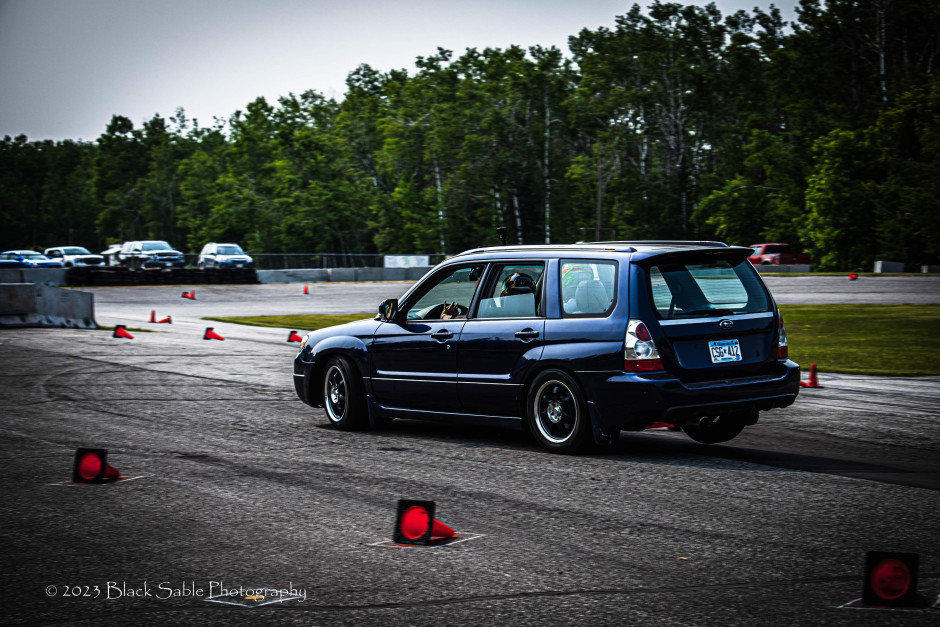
(782, 350)
(640, 353)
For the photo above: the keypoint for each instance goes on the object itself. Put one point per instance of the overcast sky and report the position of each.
(67, 66)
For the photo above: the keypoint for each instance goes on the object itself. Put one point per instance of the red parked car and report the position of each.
(776, 255)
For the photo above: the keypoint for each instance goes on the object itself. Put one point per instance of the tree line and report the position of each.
(677, 122)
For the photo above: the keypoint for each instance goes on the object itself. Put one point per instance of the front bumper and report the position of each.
(631, 401)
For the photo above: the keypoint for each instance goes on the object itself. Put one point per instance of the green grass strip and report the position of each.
(298, 322)
(888, 340)
(892, 340)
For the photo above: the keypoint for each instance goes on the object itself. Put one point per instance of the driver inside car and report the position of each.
(451, 311)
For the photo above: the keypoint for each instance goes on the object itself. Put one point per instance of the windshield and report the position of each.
(75, 250)
(721, 288)
(156, 246)
(231, 250)
(30, 255)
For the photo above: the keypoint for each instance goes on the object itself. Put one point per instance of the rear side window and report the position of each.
(516, 293)
(588, 288)
(721, 288)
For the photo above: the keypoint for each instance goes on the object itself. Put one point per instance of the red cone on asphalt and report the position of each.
(852, 276)
(891, 580)
(306, 290)
(91, 466)
(813, 378)
(190, 295)
(167, 320)
(416, 524)
(293, 337)
(211, 335)
(120, 331)
(153, 316)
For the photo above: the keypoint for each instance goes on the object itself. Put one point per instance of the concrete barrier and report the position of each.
(41, 276)
(889, 266)
(341, 275)
(793, 267)
(32, 305)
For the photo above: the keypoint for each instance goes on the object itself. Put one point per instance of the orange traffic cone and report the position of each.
(813, 378)
(416, 524)
(167, 320)
(190, 295)
(852, 276)
(153, 316)
(306, 290)
(293, 337)
(211, 335)
(120, 331)
(91, 466)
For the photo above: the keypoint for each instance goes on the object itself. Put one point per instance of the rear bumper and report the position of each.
(631, 401)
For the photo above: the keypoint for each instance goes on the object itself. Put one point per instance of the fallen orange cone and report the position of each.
(91, 466)
(167, 320)
(852, 276)
(120, 331)
(416, 524)
(190, 295)
(293, 337)
(211, 335)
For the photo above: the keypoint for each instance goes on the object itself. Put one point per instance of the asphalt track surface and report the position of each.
(235, 489)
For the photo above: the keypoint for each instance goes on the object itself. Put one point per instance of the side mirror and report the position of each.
(388, 309)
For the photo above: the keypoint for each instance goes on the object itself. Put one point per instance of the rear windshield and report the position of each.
(156, 246)
(721, 288)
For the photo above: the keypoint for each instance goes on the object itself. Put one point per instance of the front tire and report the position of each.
(343, 395)
(557, 413)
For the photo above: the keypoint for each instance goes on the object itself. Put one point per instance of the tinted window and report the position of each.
(455, 286)
(76, 250)
(516, 293)
(156, 246)
(588, 288)
(701, 290)
(231, 250)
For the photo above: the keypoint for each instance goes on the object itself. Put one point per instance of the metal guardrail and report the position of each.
(294, 261)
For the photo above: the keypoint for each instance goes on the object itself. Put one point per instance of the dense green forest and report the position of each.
(676, 123)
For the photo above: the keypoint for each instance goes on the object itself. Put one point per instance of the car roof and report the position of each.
(642, 248)
(23, 250)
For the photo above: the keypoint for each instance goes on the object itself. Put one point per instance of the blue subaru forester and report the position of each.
(577, 342)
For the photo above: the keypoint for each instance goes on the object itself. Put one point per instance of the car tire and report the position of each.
(343, 395)
(556, 412)
(723, 429)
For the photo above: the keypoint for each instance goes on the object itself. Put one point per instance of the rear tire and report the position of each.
(343, 395)
(721, 430)
(557, 413)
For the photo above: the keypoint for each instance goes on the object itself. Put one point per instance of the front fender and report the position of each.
(315, 354)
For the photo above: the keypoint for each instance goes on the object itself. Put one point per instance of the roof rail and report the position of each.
(591, 246)
(662, 242)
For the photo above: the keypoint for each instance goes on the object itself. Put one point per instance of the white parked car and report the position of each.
(74, 256)
(215, 255)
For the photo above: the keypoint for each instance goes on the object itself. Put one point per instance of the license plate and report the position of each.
(725, 350)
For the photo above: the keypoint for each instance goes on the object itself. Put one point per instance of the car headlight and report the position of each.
(303, 342)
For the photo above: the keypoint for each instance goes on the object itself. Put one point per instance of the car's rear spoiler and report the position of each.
(730, 253)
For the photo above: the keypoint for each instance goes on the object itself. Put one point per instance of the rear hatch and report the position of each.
(716, 319)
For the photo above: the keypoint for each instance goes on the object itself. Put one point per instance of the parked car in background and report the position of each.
(74, 256)
(29, 259)
(579, 342)
(776, 255)
(140, 254)
(215, 255)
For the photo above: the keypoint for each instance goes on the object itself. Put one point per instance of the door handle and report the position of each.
(442, 336)
(527, 335)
